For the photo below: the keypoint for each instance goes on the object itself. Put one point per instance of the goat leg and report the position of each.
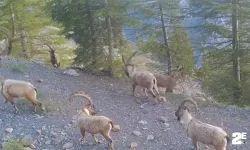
(16, 110)
(83, 135)
(195, 143)
(108, 138)
(154, 96)
(12, 101)
(34, 105)
(133, 92)
(146, 92)
(95, 140)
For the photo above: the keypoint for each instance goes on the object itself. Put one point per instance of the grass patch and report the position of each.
(19, 68)
(49, 107)
(13, 144)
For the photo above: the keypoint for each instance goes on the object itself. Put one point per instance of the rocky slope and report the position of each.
(139, 123)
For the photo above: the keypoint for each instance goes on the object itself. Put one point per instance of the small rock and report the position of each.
(71, 72)
(40, 80)
(9, 130)
(163, 119)
(39, 132)
(63, 133)
(136, 133)
(43, 127)
(150, 138)
(143, 105)
(58, 139)
(166, 124)
(143, 122)
(38, 116)
(133, 145)
(53, 133)
(67, 145)
(48, 142)
(32, 146)
(27, 141)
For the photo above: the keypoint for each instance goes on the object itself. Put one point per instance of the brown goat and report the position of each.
(144, 79)
(165, 81)
(87, 122)
(55, 63)
(199, 131)
(12, 89)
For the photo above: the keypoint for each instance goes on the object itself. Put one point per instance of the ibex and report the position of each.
(93, 124)
(168, 81)
(144, 79)
(199, 131)
(12, 89)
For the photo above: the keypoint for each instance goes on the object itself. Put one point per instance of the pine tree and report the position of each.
(224, 37)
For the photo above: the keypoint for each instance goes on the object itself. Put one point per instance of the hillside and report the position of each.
(112, 98)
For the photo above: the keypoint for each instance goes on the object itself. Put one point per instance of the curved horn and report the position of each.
(123, 59)
(129, 59)
(189, 101)
(81, 94)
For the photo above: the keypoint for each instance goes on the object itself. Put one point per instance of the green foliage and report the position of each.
(181, 48)
(13, 144)
(86, 25)
(217, 71)
(27, 18)
(19, 67)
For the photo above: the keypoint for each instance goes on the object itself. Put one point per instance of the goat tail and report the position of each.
(155, 85)
(228, 139)
(113, 127)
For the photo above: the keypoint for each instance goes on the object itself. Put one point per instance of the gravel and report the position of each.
(56, 129)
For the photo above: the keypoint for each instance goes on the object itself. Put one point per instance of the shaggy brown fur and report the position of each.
(199, 131)
(144, 79)
(93, 124)
(12, 89)
(165, 81)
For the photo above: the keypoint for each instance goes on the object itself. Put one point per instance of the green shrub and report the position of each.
(13, 144)
(20, 67)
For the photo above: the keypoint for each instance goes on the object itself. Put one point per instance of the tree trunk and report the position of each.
(8, 38)
(236, 55)
(23, 41)
(165, 40)
(110, 41)
(13, 32)
(23, 37)
(92, 30)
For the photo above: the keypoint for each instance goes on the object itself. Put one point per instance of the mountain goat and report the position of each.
(12, 89)
(199, 131)
(93, 124)
(144, 79)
